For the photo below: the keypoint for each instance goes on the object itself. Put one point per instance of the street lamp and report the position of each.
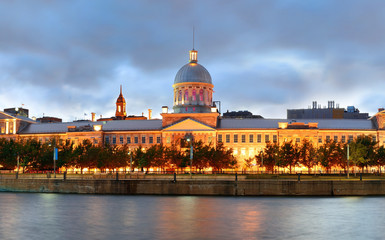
(347, 165)
(129, 154)
(189, 138)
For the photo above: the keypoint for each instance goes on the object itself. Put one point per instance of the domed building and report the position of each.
(193, 88)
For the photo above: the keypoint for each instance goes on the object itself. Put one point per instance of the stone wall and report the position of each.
(197, 187)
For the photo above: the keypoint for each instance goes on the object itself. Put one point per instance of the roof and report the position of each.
(4, 115)
(360, 124)
(193, 72)
(117, 125)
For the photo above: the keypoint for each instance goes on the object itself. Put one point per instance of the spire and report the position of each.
(120, 106)
(193, 52)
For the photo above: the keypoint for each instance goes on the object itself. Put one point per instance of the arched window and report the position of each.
(185, 95)
(201, 95)
(180, 95)
(194, 95)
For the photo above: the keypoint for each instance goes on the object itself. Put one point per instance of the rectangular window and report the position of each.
(259, 138)
(267, 138)
(235, 138)
(327, 138)
(136, 139)
(210, 139)
(227, 138)
(143, 139)
(343, 139)
(275, 138)
(151, 140)
(374, 138)
(297, 140)
(113, 139)
(251, 138)
(128, 140)
(219, 137)
(107, 140)
(335, 138)
(350, 138)
(121, 140)
(243, 138)
(319, 139)
(158, 139)
(168, 140)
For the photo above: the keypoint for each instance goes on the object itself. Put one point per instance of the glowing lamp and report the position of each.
(97, 127)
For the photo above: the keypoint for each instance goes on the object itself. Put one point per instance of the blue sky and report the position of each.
(67, 58)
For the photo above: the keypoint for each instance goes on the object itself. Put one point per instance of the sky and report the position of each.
(68, 58)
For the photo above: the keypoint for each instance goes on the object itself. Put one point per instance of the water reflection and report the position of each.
(53, 216)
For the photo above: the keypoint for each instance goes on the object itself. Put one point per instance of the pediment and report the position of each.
(4, 115)
(189, 125)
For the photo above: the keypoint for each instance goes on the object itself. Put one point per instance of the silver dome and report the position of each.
(193, 72)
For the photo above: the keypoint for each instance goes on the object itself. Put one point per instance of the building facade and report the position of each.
(195, 114)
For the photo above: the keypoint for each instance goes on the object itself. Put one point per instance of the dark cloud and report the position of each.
(69, 57)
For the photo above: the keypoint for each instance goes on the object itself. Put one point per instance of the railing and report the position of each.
(185, 175)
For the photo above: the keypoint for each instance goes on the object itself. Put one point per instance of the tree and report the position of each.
(307, 155)
(221, 158)
(380, 156)
(326, 155)
(269, 155)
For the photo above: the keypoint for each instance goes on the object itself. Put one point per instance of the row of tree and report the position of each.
(362, 152)
(33, 155)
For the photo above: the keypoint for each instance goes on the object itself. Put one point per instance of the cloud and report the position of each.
(65, 58)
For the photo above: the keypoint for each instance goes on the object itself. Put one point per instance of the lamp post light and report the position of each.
(129, 154)
(347, 165)
(189, 138)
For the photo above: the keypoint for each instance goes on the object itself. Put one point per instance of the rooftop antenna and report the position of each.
(193, 37)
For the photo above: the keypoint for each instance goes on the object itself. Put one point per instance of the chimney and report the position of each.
(149, 114)
(93, 119)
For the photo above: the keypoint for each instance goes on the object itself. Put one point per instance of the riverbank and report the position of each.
(197, 187)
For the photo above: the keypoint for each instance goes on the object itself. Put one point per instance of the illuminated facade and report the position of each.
(194, 113)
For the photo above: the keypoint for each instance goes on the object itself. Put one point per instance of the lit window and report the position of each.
(186, 95)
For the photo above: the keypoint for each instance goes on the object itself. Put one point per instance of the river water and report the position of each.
(68, 216)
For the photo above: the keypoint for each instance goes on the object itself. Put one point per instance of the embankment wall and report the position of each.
(197, 187)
